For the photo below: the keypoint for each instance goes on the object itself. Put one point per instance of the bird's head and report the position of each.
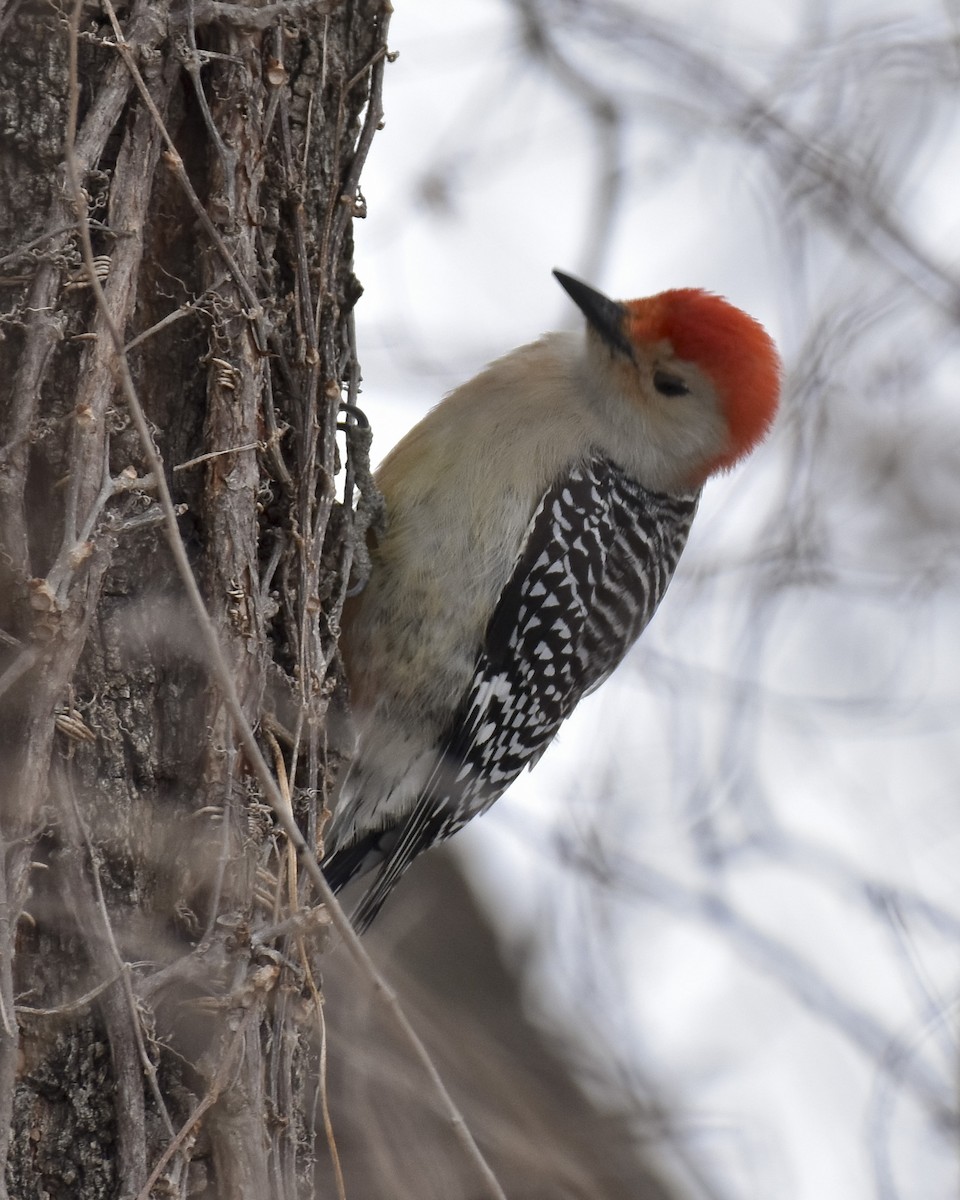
(703, 376)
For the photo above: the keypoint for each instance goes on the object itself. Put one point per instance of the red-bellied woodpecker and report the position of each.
(533, 521)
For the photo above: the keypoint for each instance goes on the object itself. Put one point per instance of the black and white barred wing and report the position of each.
(596, 562)
(651, 532)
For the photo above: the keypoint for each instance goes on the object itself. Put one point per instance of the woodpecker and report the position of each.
(533, 521)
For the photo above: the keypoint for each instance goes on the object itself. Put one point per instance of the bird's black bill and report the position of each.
(605, 315)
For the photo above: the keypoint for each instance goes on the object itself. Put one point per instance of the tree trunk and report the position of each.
(177, 188)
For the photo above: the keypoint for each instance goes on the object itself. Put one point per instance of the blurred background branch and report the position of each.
(733, 878)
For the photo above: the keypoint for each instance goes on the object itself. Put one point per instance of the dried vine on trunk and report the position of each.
(181, 178)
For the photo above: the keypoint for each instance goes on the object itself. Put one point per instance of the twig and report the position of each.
(294, 904)
(202, 458)
(191, 62)
(71, 1005)
(274, 434)
(185, 310)
(46, 236)
(217, 1084)
(71, 555)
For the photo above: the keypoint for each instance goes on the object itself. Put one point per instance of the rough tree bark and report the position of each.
(159, 1022)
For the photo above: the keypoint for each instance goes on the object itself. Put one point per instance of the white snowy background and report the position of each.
(734, 876)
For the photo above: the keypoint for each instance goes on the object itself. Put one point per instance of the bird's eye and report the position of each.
(669, 385)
